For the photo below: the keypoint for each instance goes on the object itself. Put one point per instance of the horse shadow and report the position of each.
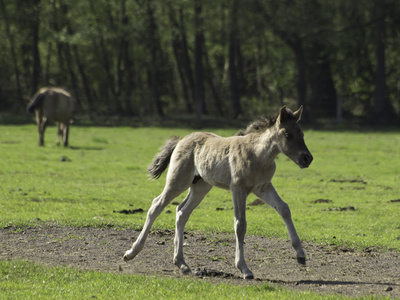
(85, 148)
(333, 282)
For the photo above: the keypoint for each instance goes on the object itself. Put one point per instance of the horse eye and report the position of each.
(287, 135)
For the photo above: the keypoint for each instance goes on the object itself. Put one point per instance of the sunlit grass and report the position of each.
(24, 280)
(355, 174)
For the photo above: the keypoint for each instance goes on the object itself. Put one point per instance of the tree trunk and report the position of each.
(296, 44)
(73, 78)
(67, 76)
(233, 82)
(259, 80)
(49, 55)
(180, 67)
(84, 78)
(13, 54)
(383, 111)
(113, 105)
(198, 67)
(78, 61)
(178, 48)
(154, 49)
(323, 92)
(185, 55)
(35, 48)
(127, 65)
(210, 83)
(53, 22)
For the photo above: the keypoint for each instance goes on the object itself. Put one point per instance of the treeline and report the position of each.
(226, 57)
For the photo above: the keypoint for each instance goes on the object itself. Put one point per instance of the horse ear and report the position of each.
(282, 115)
(297, 113)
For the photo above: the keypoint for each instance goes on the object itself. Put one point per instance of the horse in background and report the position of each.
(243, 164)
(52, 104)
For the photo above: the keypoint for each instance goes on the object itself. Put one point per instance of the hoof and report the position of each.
(248, 276)
(185, 270)
(301, 260)
(127, 256)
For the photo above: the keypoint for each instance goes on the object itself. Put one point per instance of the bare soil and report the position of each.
(329, 270)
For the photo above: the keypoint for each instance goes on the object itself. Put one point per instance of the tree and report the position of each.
(383, 110)
(198, 61)
(181, 55)
(242, 58)
(13, 52)
(233, 46)
(155, 57)
(36, 72)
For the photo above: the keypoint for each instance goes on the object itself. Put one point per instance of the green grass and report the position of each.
(107, 173)
(23, 280)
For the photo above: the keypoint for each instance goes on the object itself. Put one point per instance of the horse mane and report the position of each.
(263, 122)
(259, 125)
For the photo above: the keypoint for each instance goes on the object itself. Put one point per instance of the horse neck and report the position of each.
(265, 146)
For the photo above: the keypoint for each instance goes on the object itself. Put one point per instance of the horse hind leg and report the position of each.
(65, 134)
(178, 180)
(158, 205)
(239, 205)
(42, 123)
(59, 132)
(195, 196)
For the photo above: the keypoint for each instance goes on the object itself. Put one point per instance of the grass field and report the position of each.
(31, 281)
(349, 196)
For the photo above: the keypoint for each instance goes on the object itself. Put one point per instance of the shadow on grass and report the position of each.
(86, 148)
(331, 282)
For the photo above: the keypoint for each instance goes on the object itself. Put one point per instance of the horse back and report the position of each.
(55, 104)
(201, 155)
(222, 161)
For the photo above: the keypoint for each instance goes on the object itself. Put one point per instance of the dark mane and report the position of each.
(259, 125)
(262, 123)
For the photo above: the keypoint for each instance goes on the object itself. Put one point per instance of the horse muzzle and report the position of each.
(305, 160)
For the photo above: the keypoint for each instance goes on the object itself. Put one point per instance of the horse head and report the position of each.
(290, 137)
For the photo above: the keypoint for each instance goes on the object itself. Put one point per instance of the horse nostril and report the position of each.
(306, 158)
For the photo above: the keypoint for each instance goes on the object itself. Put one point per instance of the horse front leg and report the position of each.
(271, 197)
(42, 123)
(195, 196)
(239, 205)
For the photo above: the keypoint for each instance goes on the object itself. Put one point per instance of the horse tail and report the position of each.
(36, 102)
(162, 159)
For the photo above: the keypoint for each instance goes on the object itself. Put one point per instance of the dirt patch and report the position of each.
(322, 201)
(340, 208)
(329, 269)
(348, 181)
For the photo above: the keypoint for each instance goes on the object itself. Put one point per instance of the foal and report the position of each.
(52, 104)
(243, 164)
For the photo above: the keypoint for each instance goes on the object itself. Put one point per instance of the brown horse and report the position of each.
(52, 104)
(243, 164)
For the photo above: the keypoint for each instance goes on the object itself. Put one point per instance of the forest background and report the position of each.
(230, 58)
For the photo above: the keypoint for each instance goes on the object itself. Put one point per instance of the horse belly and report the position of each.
(215, 172)
(58, 109)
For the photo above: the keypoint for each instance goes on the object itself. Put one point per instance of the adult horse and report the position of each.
(243, 164)
(52, 104)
